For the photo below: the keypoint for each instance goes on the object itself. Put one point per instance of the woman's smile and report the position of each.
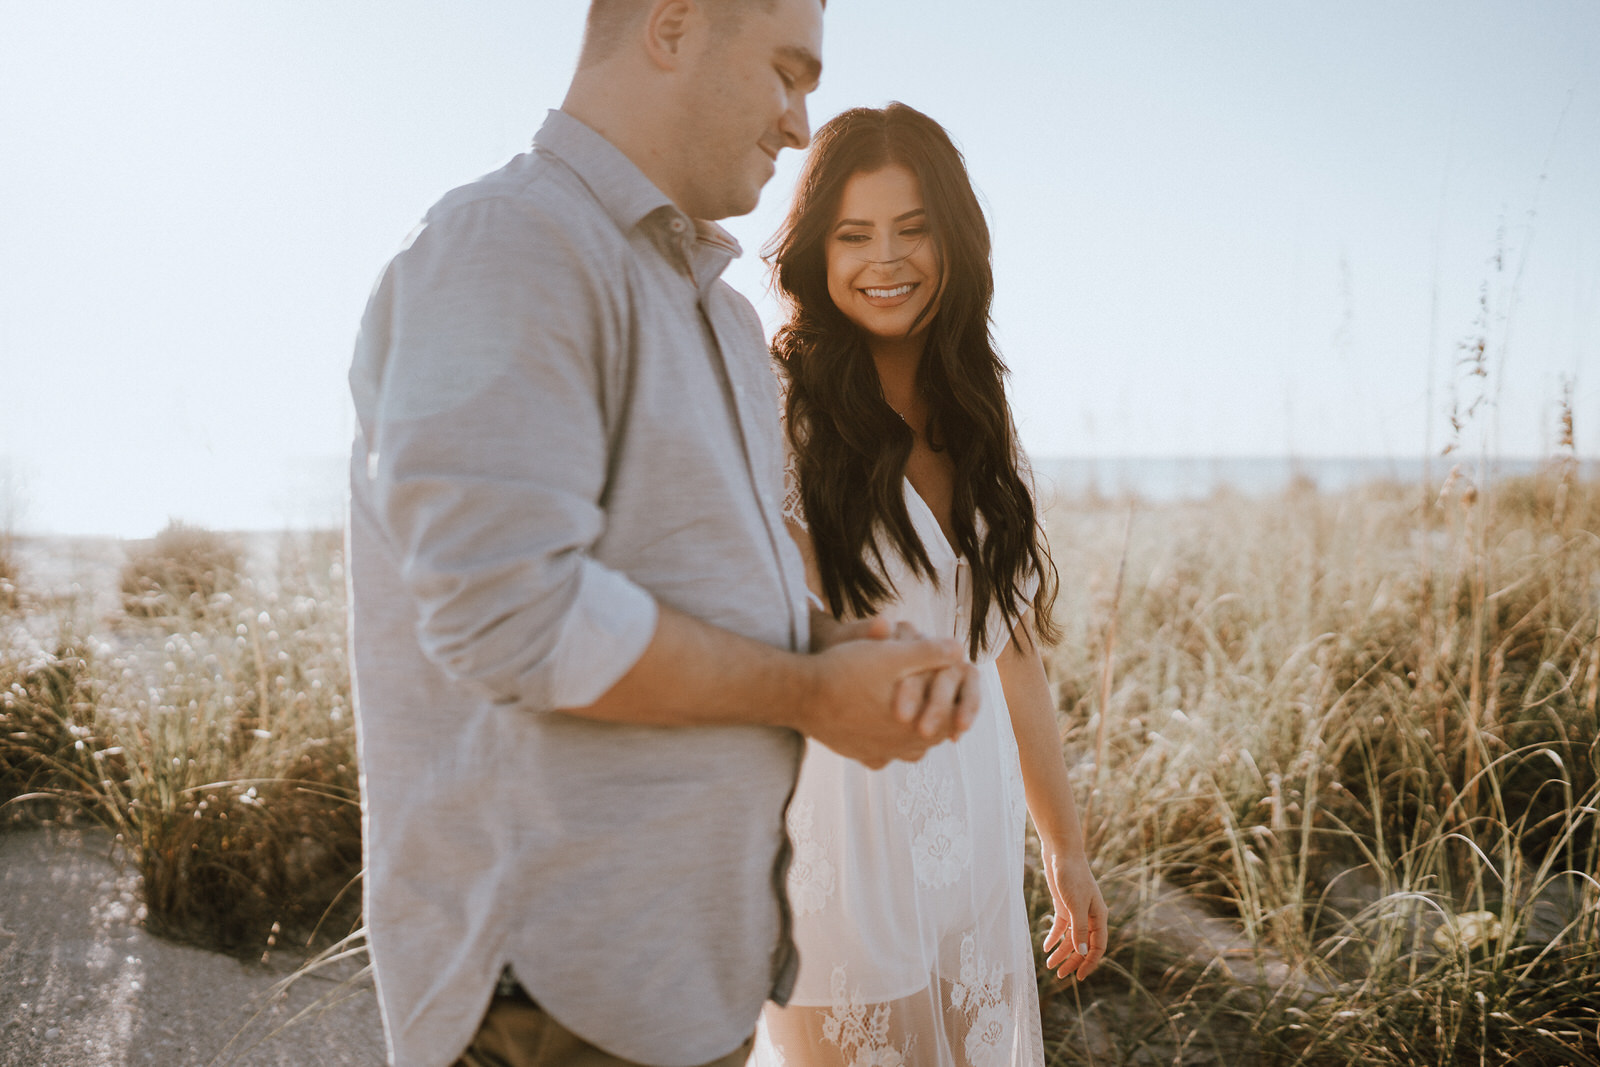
(889, 297)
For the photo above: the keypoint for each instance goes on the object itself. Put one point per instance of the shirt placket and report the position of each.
(703, 275)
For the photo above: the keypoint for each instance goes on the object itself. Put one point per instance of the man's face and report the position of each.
(746, 100)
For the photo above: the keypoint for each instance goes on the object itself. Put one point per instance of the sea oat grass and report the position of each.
(179, 571)
(242, 786)
(1337, 751)
(215, 738)
(10, 590)
(51, 756)
(1359, 730)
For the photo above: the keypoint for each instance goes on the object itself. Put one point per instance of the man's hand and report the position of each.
(942, 703)
(874, 699)
(850, 696)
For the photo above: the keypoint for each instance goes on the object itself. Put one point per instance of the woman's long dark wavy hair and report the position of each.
(851, 447)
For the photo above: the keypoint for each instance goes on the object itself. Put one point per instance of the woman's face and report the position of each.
(883, 269)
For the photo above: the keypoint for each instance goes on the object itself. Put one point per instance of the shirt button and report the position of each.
(678, 225)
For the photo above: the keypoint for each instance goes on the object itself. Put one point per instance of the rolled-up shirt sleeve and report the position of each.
(487, 455)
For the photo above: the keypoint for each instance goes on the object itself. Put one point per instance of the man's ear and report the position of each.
(668, 28)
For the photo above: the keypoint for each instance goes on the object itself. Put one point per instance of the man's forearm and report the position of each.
(695, 674)
(849, 697)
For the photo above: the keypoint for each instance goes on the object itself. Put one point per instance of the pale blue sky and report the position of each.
(1222, 227)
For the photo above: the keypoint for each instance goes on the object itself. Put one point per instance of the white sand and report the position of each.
(83, 985)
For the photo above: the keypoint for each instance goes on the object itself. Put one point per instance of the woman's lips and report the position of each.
(887, 296)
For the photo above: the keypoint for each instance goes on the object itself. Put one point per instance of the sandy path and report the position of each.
(83, 985)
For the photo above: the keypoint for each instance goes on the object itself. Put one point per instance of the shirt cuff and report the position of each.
(607, 629)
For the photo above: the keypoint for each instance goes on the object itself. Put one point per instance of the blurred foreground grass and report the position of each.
(1338, 754)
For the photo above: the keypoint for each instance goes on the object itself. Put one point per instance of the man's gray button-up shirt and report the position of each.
(565, 418)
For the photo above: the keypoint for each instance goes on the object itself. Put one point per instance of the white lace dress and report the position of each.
(906, 883)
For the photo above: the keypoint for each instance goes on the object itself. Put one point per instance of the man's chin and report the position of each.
(736, 204)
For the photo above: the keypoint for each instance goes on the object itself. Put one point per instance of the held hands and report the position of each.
(1078, 933)
(876, 699)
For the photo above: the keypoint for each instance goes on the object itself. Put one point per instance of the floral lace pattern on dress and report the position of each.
(793, 507)
(980, 995)
(862, 1036)
(941, 849)
(811, 872)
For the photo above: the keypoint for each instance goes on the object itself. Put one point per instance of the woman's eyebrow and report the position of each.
(913, 213)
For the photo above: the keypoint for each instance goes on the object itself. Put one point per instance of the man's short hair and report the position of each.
(610, 20)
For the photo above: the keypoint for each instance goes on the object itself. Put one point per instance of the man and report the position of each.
(578, 623)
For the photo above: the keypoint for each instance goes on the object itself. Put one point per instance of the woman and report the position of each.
(907, 499)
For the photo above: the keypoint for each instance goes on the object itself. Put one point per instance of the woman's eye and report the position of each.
(915, 231)
(853, 238)
(788, 81)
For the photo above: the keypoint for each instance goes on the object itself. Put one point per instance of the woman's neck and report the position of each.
(897, 360)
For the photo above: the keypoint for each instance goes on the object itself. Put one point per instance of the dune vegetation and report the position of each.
(1337, 752)
(208, 725)
(1339, 757)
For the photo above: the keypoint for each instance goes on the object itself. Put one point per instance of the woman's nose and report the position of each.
(889, 250)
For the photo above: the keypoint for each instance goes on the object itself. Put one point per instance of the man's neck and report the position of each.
(615, 108)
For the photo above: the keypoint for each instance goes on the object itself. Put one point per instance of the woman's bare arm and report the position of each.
(1079, 906)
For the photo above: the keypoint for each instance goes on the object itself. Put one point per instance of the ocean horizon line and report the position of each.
(311, 494)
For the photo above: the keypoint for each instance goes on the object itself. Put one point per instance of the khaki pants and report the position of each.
(516, 1032)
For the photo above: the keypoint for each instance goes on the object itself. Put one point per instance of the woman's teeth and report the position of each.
(887, 294)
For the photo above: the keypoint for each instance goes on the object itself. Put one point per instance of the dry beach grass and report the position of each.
(1341, 775)
(174, 730)
(1339, 754)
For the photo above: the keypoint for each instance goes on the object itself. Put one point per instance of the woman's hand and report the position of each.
(1078, 933)
(826, 631)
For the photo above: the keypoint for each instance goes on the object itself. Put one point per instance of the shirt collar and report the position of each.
(630, 198)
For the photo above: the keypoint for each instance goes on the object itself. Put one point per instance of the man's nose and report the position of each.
(797, 124)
